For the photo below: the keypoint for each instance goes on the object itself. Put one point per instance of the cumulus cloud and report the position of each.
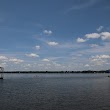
(79, 40)
(105, 35)
(37, 47)
(46, 60)
(47, 32)
(100, 28)
(102, 35)
(92, 36)
(32, 55)
(52, 43)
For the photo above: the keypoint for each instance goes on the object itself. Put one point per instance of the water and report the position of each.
(55, 92)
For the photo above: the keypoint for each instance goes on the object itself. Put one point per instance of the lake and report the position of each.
(55, 92)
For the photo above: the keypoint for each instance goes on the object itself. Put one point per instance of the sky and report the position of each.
(41, 35)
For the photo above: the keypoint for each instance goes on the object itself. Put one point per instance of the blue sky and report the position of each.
(55, 34)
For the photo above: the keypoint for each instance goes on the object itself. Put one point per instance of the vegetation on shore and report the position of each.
(86, 71)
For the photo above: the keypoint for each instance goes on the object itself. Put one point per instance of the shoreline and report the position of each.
(62, 72)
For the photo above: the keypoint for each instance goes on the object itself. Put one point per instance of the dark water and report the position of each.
(55, 92)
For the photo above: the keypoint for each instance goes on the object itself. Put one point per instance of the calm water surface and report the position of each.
(55, 92)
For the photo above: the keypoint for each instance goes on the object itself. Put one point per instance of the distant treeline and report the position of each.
(86, 71)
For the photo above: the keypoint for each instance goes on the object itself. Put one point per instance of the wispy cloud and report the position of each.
(102, 56)
(100, 28)
(5, 60)
(100, 59)
(93, 45)
(105, 48)
(15, 60)
(81, 5)
(47, 32)
(33, 55)
(37, 47)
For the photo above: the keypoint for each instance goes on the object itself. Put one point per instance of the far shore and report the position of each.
(86, 71)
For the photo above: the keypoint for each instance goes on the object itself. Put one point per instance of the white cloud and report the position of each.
(105, 35)
(15, 60)
(100, 59)
(81, 40)
(3, 64)
(102, 35)
(79, 6)
(32, 55)
(92, 36)
(27, 65)
(69, 45)
(46, 60)
(3, 58)
(94, 45)
(47, 32)
(100, 28)
(99, 50)
(87, 65)
(101, 56)
(52, 43)
(37, 47)
(58, 65)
